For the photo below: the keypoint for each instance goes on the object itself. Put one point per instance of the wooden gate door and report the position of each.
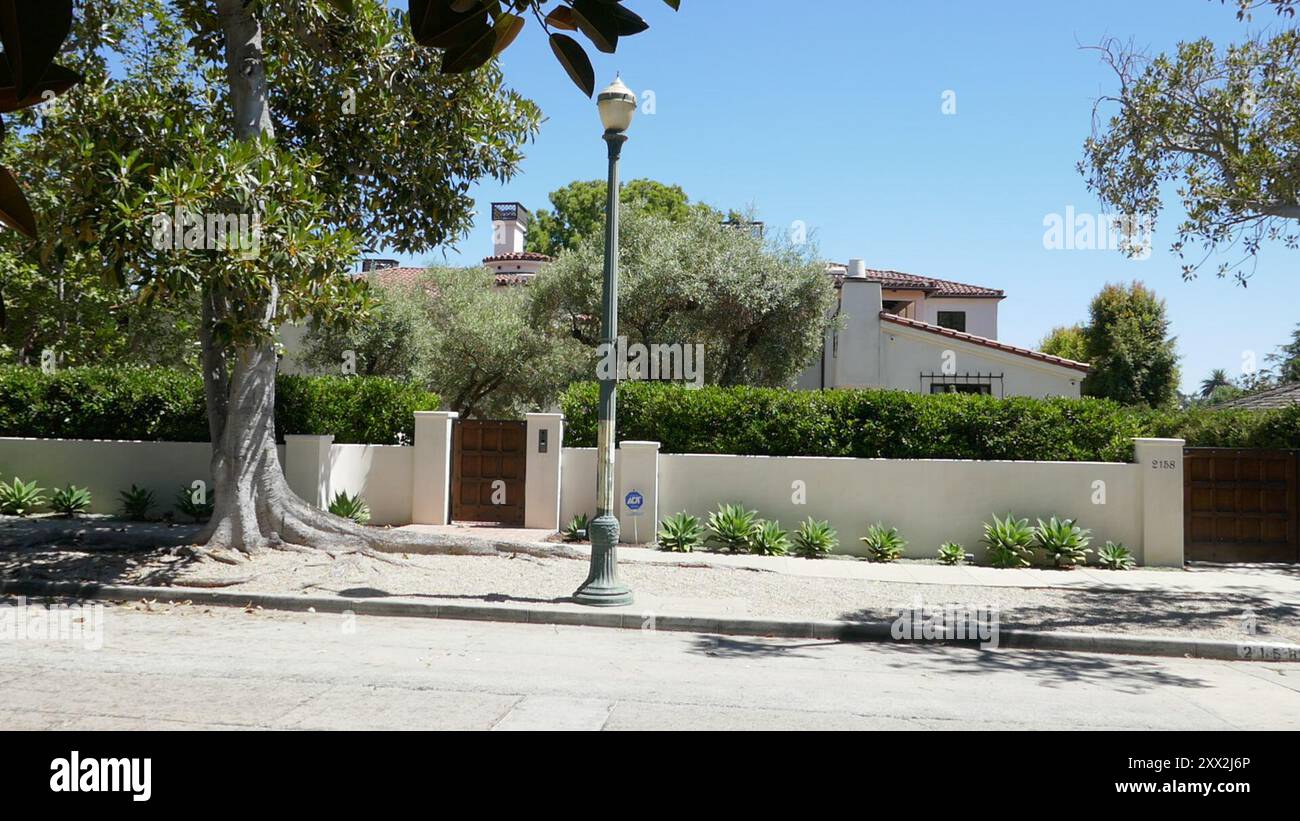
(1240, 505)
(488, 461)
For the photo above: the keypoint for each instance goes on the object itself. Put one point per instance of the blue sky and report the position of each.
(829, 112)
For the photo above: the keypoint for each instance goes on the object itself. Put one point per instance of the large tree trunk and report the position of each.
(256, 510)
(254, 507)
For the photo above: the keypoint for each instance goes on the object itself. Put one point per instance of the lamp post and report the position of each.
(602, 588)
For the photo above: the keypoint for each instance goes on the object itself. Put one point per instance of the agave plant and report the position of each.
(70, 501)
(20, 498)
(815, 539)
(1009, 541)
(1115, 557)
(135, 504)
(680, 533)
(732, 527)
(1063, 541)
(951, 553)
(576, 529)
(770, 540)
(350, 507)
(198, 511)
(883, 543)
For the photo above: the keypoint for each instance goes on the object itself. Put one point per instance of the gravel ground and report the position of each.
(683, 587)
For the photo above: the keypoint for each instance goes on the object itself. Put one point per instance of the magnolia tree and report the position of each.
(241, 154)
(1220, 126)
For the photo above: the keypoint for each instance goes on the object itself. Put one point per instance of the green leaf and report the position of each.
(676, 4)
(33, 31)
(598, 22)
(628, 22)
(436, 24)
(57, 80)
(507, 28)
(14, 210)
(477, 48)
(575, 61)
(561, 17)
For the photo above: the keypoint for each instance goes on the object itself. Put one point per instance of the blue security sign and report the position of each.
(634, 501)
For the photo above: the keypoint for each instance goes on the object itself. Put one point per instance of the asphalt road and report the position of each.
(198, 667)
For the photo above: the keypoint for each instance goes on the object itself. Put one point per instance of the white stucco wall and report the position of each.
(929, 501)
(981, 313)
(380, 473)
(907, 353)
(106, 468)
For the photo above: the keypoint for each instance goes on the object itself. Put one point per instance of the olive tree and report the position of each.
(759, 307)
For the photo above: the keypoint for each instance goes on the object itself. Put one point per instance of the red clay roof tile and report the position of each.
(988, 343)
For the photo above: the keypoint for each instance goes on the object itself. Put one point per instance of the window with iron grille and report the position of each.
(984, 384)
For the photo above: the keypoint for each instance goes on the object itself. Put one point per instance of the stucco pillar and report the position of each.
(307, 467)
(542, 480)
(1161, 463)
(638, 472)
(431, 471)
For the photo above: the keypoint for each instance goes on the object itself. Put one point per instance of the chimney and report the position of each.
(857, 269)
(509, 226)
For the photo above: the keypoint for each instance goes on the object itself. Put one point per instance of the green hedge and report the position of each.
(156, 404)
(903, 425)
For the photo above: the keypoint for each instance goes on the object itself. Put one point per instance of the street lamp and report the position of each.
(602, 588)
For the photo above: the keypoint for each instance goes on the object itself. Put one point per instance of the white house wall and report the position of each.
(981, 314)
(908, 353)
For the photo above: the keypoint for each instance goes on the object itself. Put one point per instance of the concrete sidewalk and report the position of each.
(1279, 581)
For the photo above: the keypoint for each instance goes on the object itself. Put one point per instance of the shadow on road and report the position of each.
(1130, 674)
(1220, 615)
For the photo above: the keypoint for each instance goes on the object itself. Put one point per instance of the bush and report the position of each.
(1115, 557)
(883, 543)
(815, 539)
(576, 529)
(162, 405)
(20, 498)
(1009, 541)
(70, 501)
(135, 504)
(350, 507)
(1064, 542)
(732, 527)
(951, 553)
(193, 508)
(887, 424)
(770, 540)
(680, 533)
(357, 410)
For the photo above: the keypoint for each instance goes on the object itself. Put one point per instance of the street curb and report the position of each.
(824, 629)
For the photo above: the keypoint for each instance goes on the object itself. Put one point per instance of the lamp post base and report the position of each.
(602, 587)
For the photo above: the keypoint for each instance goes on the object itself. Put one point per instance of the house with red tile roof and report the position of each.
(928, 335)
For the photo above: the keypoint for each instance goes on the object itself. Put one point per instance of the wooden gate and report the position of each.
(1241, 505)
(488, 462)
